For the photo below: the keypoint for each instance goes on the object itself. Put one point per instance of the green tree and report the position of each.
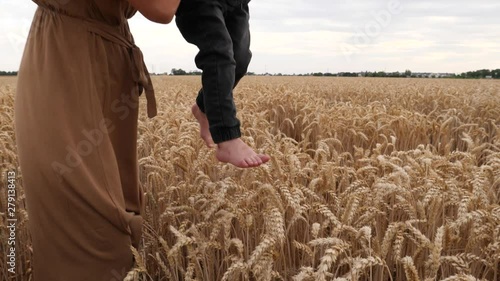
(495, 73)
(8, 73)
(179, 71)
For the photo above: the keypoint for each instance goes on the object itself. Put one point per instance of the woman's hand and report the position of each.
(160, 11)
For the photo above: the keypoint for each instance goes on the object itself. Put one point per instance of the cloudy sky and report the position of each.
(302, 36)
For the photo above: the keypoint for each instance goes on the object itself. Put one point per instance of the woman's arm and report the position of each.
(160, 11)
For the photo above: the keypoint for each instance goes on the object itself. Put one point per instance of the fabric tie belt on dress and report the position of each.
(140, 72)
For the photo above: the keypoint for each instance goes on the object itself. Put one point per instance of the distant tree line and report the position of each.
(478, 74)
(8, 73)
(483, 73)
(180, 71)
(407, 73)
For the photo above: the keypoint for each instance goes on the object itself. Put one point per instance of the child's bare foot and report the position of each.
(204, 129)
(239, 154)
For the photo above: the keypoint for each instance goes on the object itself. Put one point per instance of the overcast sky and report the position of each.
(302, 36)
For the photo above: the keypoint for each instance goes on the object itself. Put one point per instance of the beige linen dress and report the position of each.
(76, 113)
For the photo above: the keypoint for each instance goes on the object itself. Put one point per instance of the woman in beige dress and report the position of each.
(76, 115)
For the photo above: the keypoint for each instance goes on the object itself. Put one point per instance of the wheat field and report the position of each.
(370, 179)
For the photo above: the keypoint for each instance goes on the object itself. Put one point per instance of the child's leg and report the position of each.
(202, 23)
(204, 126)
(238, 27)
(237, 22)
